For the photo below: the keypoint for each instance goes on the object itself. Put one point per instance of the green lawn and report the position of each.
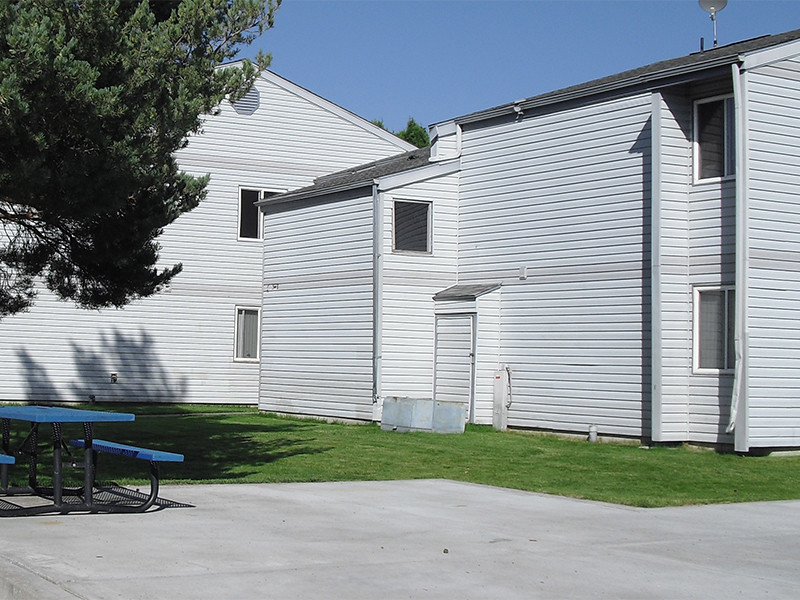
(240, 445)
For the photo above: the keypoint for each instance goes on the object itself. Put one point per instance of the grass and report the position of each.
(241, 445)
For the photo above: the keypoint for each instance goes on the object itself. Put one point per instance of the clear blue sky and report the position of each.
(438, 59)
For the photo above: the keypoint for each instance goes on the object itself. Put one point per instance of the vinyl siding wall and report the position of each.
(487, 354)
(565, 196)
(696, 248)
(409, 282)
(712, 262)
(673, 165)
(712, 241)
(178, 346)
(318, 310)
(773, 111)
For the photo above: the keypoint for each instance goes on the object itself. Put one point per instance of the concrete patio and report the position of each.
(402, 539)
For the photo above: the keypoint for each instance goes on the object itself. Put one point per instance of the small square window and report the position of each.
(412, 226)
(715, 139)
(249, 215)
(248, 327)
(715, 310)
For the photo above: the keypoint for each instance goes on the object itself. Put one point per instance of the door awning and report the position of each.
(465, 291)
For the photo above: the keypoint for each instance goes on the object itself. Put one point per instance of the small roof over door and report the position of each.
(465, 291)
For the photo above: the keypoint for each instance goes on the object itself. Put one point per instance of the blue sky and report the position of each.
(438, 59)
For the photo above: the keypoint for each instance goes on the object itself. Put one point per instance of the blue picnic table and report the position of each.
(56, 417)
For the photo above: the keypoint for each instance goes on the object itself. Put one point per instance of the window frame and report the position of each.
(236, 332)
(728, 142)
(429, 225)
(262, 193)
(730, 330)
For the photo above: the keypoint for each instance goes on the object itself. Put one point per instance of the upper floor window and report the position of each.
(714, 322)
(249, 215)
(251, 221)
(412, 226)
(715, 139)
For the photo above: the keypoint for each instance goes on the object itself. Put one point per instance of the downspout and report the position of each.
(738, 423)
(377, 299)
(656, 428)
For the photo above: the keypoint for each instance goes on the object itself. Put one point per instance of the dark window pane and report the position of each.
(411, 226)
(711, 138)
(249, 214)
(730, 137)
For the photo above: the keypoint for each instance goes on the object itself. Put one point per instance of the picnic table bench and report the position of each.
(152, 456)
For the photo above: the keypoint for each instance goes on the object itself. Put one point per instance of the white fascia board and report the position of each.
(337, 110)
(760, 58)
(391, 182)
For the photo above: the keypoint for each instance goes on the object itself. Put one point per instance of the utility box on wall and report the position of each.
(422, 414)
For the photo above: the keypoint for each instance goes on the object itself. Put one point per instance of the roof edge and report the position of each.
(649, 74)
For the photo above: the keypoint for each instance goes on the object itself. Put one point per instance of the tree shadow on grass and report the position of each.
(215, 447)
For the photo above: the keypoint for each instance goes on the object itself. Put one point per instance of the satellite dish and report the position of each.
(712, 7)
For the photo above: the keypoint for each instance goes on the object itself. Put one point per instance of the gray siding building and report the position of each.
(622, 255)
(199, 340)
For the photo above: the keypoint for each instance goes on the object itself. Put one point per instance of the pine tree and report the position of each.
(95, 98)
(414, 133)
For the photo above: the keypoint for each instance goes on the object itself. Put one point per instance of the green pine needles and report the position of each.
(95, 98)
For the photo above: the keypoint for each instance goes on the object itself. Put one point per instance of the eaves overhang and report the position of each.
(312, 192)
(392, 169)
(601, 88)
(654, 75)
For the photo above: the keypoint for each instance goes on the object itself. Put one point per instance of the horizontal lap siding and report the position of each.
(712, 262)
(565, 195)
(774, 269)
(316, 356)
(675, 294)
(409, 283)
(696, 248)
(487, 354)
(178, 345)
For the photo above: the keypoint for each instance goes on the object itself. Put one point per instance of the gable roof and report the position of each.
(356, 177)
(642, 76)
(323, 103)
(365, 175)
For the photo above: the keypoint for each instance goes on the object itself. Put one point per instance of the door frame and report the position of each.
(473, 317)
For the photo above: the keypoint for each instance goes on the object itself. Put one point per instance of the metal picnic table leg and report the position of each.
(57, 478)
(88, 464)
(6, 450)
(33, 443)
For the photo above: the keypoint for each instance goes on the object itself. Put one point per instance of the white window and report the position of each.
(714, 321)
(412, 222)
(248, 328)
(715, 138)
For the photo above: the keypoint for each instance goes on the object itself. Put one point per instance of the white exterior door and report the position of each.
(454, 371)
